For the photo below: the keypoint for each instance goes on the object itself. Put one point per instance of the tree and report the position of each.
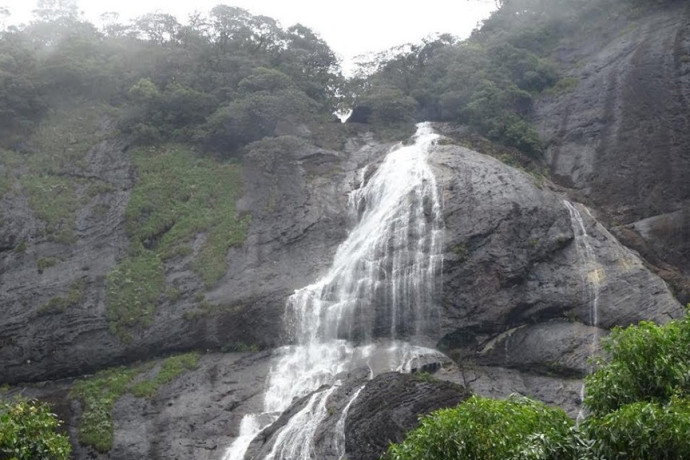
(487, 429)
(28, 431)
(639, 396)
(56, 10)
(646, 362)
(158, 27)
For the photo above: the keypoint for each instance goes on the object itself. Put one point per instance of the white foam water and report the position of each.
(381, 284)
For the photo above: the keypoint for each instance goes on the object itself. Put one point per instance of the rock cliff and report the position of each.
(620, 136)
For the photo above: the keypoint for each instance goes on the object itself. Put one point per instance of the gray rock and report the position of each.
(517, 292)
(389, 406)
(621, 136)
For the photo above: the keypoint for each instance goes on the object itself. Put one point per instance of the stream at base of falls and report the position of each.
(383, 278)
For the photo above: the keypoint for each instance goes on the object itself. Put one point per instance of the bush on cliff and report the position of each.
(28, 431)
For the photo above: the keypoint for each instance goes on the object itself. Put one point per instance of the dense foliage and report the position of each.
(491, 80)
(221, 80)
(482, 428)
(640, 397)
(28, 431)
(638, 402)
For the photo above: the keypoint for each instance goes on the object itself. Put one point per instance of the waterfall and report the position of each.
(592, 277)
(372, 308)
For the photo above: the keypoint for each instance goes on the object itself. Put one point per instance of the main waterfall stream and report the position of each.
(373, 307)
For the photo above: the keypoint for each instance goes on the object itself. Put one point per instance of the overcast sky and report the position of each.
(351, 27)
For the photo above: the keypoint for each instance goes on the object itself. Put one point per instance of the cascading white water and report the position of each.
(381, 285)
(592, 274)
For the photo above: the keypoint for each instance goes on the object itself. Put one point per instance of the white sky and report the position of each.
(350, 27)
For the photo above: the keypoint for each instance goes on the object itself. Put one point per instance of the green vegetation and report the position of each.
(206, 309)
(221, 80)
(170, 369)
(57, 146)
(178, 196)
(214, 84)
(640, 397)
(61, 303)
(100, 392)
(489, 81)
(132, 291)
(638, 401)
(239, 347)
(461, 251)
(45, 262)
(29, 431)
(65, 136)
(482, 428)
(53, 199)
(648, 363)
(487, 84)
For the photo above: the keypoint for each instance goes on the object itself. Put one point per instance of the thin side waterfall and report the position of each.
(373, 307)
(592, 277)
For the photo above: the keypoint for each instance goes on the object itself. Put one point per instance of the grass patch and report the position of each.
(100, 210)
(171, 368)
(206, 309)
(239, 347)
(96, 188)
(60, 304)
(53, 200)
(99, 394)
(461, 251)
(172, 293)
(59, 145)
(563, 85)
(132, 291)
(45, 262)
(64, 137)
(179, 195)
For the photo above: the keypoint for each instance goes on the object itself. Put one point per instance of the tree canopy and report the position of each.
(221, 80)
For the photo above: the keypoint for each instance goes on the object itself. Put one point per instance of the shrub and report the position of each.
(99, 394)
(642, 430)
(28, 431)
(482, 428)
(648, 363)
(384, 105)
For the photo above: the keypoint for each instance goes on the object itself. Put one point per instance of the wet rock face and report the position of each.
(519, 290)
(38, 343)
(389, 406)
(365, 416)
(622, 134)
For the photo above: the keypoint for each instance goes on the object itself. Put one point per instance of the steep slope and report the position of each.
(620, 135)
